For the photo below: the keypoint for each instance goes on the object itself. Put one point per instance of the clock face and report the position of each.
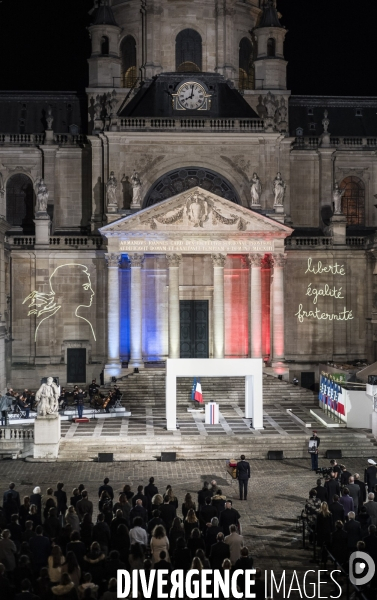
(191, 95)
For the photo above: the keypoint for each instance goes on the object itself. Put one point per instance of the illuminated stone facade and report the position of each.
(306, 296)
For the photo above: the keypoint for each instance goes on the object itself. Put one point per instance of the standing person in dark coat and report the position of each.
(61, 499)
(139, 511)
(36, 498)
(371, 542)
(314, 454)
(80, 399)
(337, 510)
(346, 501)
(243, 476)
(106, 488)
(168, 513)
(140, 496)
(355, 493)
(353, 530)
(339, 543)
(205, 492)
(150, 490)
(40, 547)
(344, 475)
(324, 528)
(229, 516)
(321, 491)
(219, 552)
(206, 513)
(211, 534)
(363, 488)
(332, 488)
(370, 475)
(11, 501)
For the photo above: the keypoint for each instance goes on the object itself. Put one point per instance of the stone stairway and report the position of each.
(148, 388)
(144, 395)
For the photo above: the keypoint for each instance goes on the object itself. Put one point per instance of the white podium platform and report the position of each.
(212, 413)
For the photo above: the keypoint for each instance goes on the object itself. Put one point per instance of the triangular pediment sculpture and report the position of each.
(197, 211)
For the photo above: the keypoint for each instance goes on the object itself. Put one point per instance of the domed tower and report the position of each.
(270, 66)
(104, 63)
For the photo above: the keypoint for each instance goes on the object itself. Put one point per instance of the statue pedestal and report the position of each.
(49, 136)
(112, 208)
(135, 206)
(42, 230)
(255, 206)
(279, 213)
(337, 229)
(47, 435)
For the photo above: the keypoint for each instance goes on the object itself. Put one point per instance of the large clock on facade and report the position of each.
(191, 95)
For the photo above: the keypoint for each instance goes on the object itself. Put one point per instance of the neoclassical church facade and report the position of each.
(187, 206)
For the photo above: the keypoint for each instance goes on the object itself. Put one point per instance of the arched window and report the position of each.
(246, 66)
(20, 202)
(353, 201)
(271, 47)
(188, 51)
(128, 54)
(105, 45)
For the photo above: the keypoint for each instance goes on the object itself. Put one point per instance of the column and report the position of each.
(136, 357)
(174, 261)
(277, 308)
(218, 305)
(255, 261)
(113, 365)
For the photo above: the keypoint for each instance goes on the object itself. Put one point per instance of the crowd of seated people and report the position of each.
(55, 546)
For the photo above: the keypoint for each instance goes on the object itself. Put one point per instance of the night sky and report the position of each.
(331, 46)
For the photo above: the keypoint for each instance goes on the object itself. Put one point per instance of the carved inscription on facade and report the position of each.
(195, 246)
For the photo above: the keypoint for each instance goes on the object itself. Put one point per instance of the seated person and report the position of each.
(93, 389)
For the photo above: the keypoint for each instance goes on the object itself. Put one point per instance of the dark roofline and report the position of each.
(323, 101)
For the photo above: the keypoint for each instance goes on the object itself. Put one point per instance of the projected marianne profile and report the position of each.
(70, 287)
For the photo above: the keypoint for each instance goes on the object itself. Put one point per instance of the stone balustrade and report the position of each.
(37, 139)
(194, 124)
(63, 242)
(319, 242)
(16, 442)
(308, 142)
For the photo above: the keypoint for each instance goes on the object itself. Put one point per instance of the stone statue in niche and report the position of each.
(279, 188)
(282, 113)
(136, 189)
(42, 197)
(255, 190)
(47, 398)
(111, 190)
(197, 210)
(337, 195)
(2, 189)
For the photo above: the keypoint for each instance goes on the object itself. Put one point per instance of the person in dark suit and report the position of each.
(139, 511)
(344, 475)
(332, 487)
(40, 547)
(150, 490)
(219, 552)
(339, 543)
(371, 542)
(206, 513)
(106, 488)
(355, 493)
(211, 534)
(168, 512)
(353, 530)
(243, 476)
(363, 488)
(321, 491)
(229, 516)
(337, 510)
(61, 498)
(26, 593)
(140, 496)
(370, 475)
(371, 508)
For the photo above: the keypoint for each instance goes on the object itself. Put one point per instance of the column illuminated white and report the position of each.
(174, 261)
(255, 305)
(113, 318)
(136, 357)
(218, 305)
(278, 307)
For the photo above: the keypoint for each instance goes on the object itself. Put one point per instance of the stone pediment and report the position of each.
(196, 211)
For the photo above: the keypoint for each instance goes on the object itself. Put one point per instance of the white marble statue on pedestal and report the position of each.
(47, 398)
(255, 190)
(279, 188)
(337, 199)
(111, 190)
(42, 197)
(136, 189)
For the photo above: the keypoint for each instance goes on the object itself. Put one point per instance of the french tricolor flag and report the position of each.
(198, 392)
